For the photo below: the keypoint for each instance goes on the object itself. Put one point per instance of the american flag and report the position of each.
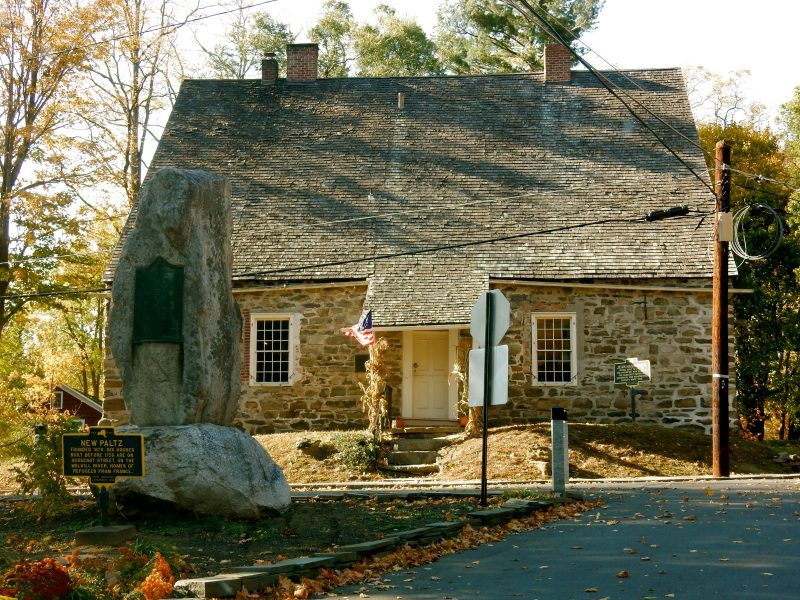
(362, 330)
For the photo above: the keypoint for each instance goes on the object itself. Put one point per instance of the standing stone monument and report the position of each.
(174, 330)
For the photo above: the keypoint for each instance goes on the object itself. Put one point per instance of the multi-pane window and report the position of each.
(554, 360)
(271, 349)
(58, 400)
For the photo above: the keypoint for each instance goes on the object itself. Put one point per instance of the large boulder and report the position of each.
(207, 469)
(180, 248)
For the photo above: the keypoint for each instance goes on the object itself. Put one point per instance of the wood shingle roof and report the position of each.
(326, 176)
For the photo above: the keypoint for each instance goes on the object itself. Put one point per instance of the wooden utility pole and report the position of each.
(720, 448)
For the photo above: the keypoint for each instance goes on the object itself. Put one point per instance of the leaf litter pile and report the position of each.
(370, 571)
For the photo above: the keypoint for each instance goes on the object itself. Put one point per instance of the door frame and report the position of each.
(408, 372)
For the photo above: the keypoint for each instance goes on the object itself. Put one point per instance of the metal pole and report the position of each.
(487, 392)
(102, 503)
(559, 452)
(720, 450)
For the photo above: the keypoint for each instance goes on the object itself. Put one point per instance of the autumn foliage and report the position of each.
(158, 584)
(370, 569)
(46, 579)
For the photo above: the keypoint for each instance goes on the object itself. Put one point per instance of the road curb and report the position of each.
(258, 577)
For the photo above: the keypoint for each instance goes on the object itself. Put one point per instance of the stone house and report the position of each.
(410, 196)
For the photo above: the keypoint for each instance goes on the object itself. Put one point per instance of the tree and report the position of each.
(43, 51)
(134, 79)
(394, 48)
(271, 37)
(245, 43)
(790, 113)
(766, 323)
(237, 56)
(721, 99)
(491, 36)
(334, 34)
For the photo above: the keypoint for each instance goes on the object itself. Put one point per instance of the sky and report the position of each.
(723, 37)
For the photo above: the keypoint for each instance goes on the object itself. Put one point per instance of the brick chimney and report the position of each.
(557, 64)
(301, 62)
(269, 69)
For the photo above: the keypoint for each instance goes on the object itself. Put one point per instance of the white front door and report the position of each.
(431, 362)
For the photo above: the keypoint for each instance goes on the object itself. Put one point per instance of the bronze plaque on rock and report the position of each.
(158, 303)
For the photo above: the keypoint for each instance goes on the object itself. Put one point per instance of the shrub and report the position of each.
(41, 580)
(357, 451)
(158, 584)
(42, 463)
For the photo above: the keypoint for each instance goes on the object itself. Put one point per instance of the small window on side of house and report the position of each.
(272, 349)
(554, 349)
(58, 400)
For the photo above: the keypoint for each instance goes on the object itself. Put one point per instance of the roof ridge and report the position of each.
(526, 74)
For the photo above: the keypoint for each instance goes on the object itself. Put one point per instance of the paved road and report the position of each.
(691, 540)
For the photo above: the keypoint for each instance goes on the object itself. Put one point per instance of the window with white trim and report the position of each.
(554, 344)
(272, 349)
(58, 400)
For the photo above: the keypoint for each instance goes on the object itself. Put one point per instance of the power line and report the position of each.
(542, 21)
(53, 294)
(546, 24)
(152, 29)
(42, 258)
(455, 246)
(377, 257)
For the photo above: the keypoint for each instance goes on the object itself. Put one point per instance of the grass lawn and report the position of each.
(199, 546)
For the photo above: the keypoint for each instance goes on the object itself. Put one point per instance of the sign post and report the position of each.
(632, 372)
(491, 316)
(102, 455)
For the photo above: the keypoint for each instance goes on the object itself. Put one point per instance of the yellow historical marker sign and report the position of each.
(102, 455)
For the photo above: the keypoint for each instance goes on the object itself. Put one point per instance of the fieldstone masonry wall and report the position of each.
(611, 326)
(675, 336)
(325, 393)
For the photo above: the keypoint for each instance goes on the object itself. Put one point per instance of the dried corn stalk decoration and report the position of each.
(461, 374)
(373, 399)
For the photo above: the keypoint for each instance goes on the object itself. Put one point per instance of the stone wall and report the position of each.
(114, 411)
(325, 392)
(675, 335)
(611, 326)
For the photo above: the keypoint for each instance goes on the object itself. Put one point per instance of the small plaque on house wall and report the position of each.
(632, 372)
(361, 363)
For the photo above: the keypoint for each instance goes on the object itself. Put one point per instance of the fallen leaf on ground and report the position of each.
(690, 518)
(591, 590)
(623, 574)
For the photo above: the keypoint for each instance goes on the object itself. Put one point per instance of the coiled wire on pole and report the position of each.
(739, 242)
